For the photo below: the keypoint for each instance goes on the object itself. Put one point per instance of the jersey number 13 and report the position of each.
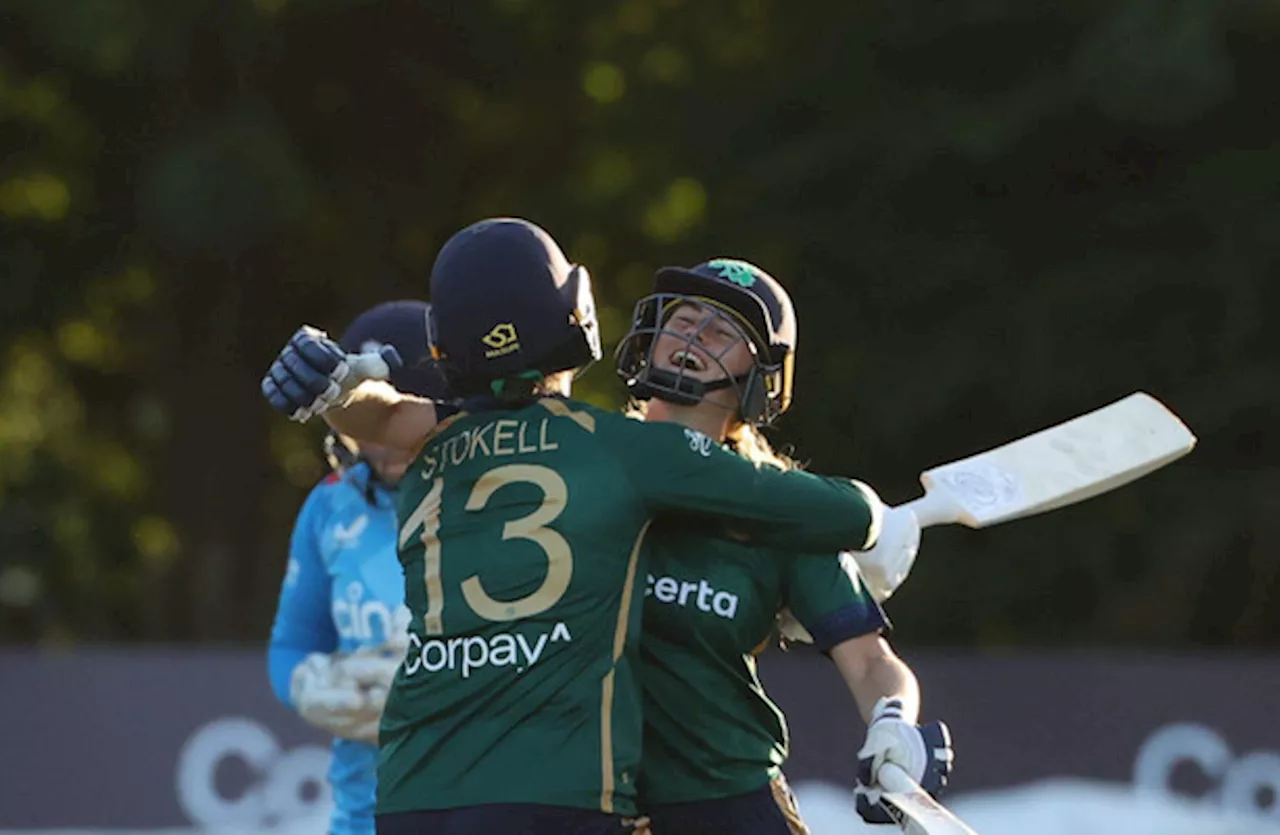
(426, 518)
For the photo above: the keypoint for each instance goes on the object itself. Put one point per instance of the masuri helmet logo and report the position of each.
(501, 340)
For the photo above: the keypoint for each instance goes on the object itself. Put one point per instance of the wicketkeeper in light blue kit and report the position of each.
(341, 627)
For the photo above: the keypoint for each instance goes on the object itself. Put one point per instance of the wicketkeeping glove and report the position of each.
(374, 669)
(343, 694)
(923, 751)
(313, 373)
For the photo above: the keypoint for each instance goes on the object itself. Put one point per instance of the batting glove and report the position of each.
(923, 751)
(886, 564)
(312, 374)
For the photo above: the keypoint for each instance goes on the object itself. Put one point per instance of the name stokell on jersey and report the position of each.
(522, 541)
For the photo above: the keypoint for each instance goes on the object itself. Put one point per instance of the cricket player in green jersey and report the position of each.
(522, 537)
(712, 349)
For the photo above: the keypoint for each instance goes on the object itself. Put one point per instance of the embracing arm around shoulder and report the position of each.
(873, 671)
(678, 469)
(376, 413)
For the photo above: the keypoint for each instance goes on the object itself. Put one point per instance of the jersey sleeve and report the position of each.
(827, 595)
(303, 622)
(680, 470)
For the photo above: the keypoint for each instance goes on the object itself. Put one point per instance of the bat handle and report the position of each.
(893, 779)
(375, 365)
(935, 508)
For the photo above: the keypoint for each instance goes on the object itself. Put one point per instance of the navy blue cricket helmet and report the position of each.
(753, 300)
(507, 304)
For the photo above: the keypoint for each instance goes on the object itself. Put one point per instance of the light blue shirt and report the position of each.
(343, 590)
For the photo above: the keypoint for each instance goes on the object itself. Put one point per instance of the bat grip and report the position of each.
(935, 508)
(368, 367)
(374, 365)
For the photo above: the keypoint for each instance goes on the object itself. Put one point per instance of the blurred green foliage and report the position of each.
(992, 214)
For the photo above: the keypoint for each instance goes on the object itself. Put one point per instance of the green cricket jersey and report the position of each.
(522, 542)
(710, 605)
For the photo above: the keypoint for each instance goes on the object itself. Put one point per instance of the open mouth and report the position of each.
(686, 360)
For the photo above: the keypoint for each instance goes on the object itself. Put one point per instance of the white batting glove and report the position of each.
(923, 751)
(886, 564)
(328, 692)
(891, 738)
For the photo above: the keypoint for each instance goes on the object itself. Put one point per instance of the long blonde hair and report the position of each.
(743, 438)
(748, 441)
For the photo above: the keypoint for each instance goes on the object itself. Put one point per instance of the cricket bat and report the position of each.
(1058, 466)
(373, 365)
(911, 807)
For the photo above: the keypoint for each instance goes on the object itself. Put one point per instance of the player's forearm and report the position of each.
(377, 413)
(281, 662)
(873, 671)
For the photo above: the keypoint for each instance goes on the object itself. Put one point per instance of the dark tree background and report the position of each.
(993, 215)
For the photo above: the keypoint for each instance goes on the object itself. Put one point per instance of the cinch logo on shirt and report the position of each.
(682, 592)
(367, 620)
(472, 652)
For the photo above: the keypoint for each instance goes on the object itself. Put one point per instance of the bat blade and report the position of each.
(1058, 466)
(911, 807)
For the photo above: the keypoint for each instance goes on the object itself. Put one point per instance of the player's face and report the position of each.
(390, 464)
(704, 344)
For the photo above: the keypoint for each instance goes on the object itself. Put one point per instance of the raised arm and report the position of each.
(313, 375)
(374, 412)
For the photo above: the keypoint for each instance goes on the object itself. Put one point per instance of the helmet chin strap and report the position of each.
(670, 387)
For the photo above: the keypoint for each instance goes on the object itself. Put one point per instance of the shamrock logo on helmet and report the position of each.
(739, 272)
